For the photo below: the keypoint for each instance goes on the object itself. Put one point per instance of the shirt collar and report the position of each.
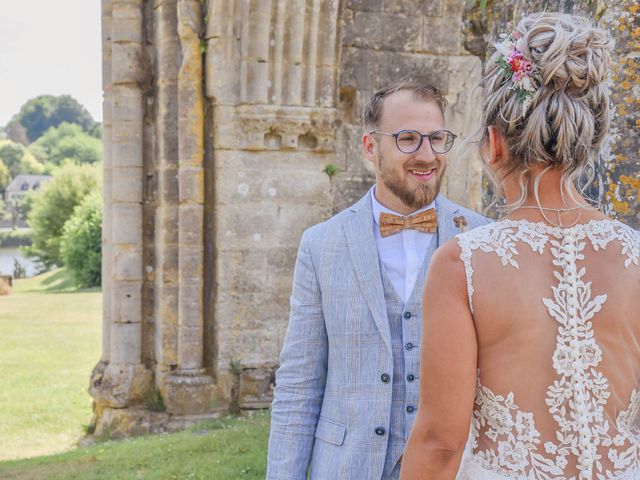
(378, 208)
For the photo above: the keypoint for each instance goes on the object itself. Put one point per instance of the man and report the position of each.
(347, 387)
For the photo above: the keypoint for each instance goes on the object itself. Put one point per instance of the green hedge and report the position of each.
(15, 238)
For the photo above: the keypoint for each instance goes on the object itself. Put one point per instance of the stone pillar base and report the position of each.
(256, 387)
(120, 385)
(188, 393)
(115, 423)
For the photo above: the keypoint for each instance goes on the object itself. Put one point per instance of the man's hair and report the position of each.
(373, 107)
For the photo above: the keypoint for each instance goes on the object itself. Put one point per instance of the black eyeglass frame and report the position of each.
(422, 137)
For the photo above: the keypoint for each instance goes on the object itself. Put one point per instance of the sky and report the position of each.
(50, 47)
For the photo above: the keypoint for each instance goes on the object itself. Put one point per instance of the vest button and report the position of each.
(407, 315)
(411, 409)
(385, 377)
(380, 431)
(410, 378)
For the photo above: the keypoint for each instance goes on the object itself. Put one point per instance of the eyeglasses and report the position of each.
(410, 141)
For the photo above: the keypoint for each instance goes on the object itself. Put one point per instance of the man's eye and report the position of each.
(407, 138)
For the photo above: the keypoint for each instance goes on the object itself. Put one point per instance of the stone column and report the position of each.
(189, 389)
(123, 381)
(166, 170)
(107, 106)
(271, 72)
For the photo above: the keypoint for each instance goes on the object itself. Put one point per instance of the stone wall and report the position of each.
(220, 118)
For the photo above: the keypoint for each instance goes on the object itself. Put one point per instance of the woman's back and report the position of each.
(557, 318)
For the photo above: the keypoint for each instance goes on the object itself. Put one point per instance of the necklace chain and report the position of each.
(557, 211)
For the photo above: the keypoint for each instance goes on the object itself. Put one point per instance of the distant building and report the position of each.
(23, 185)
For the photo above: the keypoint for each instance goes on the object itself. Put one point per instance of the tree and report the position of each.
(81, 243)
(18, 159)
(54, 205)
(67, 141)
(4, 178)
(41, 113)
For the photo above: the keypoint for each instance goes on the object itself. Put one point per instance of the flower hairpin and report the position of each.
(517, 68)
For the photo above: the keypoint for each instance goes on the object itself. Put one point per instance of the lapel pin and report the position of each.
(461, 223)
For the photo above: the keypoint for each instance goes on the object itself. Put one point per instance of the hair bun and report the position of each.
(570, 53)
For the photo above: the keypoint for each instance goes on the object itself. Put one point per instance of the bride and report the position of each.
(532, 324)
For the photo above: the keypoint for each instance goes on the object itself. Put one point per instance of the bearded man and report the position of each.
(347, 387)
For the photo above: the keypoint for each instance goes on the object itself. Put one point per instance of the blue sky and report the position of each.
(50, 47)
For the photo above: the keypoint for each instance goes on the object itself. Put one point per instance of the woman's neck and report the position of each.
(555, 201)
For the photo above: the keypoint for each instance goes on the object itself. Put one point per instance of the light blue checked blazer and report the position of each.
(329, 397)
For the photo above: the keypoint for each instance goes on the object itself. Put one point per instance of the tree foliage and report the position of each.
(54, 205)
(4, 178)
(18, 159)
(67, 141)
(81, 242)
(46, 111)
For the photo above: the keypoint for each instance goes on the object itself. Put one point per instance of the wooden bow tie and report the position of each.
(426, 222)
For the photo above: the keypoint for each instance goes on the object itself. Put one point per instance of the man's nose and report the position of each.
(425, 152)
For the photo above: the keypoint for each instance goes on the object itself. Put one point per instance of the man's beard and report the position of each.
(417, 197)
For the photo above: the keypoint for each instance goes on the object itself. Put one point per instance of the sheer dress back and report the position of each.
(557, 317)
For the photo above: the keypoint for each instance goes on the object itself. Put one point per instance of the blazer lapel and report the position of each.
(447, 228)
(364, 256)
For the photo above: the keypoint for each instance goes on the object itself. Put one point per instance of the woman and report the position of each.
(532, 331)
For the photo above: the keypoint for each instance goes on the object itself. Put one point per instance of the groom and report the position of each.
(347, 387)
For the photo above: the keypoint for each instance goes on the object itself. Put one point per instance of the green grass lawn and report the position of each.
(49, 342)
(225, 449)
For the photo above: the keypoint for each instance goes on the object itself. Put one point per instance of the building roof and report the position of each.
(26, 183)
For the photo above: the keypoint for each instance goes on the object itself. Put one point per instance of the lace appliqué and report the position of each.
(577, 397)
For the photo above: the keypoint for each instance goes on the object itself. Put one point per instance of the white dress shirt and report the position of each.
(402, 253)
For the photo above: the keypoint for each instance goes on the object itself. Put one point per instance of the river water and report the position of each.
(7, 256)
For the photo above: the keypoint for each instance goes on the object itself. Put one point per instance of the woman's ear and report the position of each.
(497, 147)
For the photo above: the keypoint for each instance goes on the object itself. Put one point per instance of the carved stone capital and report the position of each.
(271, 127)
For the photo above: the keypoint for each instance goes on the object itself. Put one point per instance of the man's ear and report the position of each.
(368, 146)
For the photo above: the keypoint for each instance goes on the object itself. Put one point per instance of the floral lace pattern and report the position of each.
(577, 397)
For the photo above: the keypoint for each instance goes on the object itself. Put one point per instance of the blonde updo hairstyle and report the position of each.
(567, 118)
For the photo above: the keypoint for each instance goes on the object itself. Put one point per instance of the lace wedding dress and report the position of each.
(557, 316)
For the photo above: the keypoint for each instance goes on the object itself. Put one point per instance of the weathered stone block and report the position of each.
(191, 265)
(127, 184)
(190, 307)
(232, 274)
(119, 385)
(417, 67)
(442, 36)
(257, 82)
(248, 185)
(126, 153)
(191, 181)
(166, 231)
(126, 301)
(127, 106)
(127, 263)
(364, 5)
(414, 8)
(380, 31)
(256, 386)
(116, 423)
(127, 68)
(244, 229)
(127, 223)
(126, 21)
(190, 224)
(360, 68)
(189, 393)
